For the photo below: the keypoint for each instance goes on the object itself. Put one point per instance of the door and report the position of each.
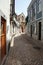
(39, 30)
(3, 38)
(31, 30)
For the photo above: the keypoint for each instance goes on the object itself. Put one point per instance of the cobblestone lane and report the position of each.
(24, 53)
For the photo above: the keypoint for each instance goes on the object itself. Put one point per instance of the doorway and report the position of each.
(39, 31)
(3, 38)
(31, 30)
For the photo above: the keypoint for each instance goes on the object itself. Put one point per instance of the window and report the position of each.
(38, 9)
(29, 15)
(33, 10)
(35, 7)
(39, 5)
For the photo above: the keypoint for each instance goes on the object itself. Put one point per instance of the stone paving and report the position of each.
(24, 53)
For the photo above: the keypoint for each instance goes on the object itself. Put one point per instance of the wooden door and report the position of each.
(3, 38)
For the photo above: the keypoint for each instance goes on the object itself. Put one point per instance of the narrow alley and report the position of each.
(24, 52)
(21, 32)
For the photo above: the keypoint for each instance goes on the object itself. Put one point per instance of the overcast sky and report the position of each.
(21, 6)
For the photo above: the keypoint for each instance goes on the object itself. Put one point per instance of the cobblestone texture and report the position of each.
(23, 53)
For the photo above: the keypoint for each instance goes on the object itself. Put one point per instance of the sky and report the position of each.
(21, 6)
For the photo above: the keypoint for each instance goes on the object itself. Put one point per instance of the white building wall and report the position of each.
(5, 8)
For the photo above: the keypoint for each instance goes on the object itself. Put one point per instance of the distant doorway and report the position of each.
(31, 30)
(39, 31)
(3, 38)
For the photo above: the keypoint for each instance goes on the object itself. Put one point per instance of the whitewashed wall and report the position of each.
(5, 8)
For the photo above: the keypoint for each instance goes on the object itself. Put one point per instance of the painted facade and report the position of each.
(22, 21)
(35, 19)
